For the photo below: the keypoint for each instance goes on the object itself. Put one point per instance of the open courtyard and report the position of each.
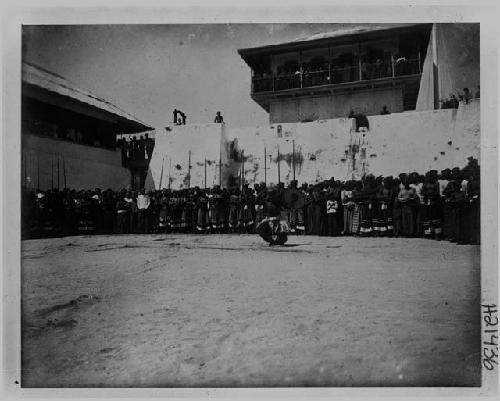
(230, 311)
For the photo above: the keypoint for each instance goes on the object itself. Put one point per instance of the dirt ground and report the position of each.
(228, 310)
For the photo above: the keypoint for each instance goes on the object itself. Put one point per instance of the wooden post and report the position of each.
(64, 172)
(241, 179)
(169, 173)
(51, 171)
(279, 173)
(293, 158)
(189, 169)
(242, 168)
(58, 172)
(220, 169)
(205, 173)
(265, 165)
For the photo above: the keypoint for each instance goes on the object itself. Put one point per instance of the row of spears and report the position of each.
(240, 178)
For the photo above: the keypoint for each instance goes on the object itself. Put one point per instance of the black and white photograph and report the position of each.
(254, 204)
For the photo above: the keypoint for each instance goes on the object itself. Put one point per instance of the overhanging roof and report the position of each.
(48, 81)
(341, 36)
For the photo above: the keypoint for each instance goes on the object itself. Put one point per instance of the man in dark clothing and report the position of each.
(141, 148)
(218, 118)
(150, 144)
(134, 147)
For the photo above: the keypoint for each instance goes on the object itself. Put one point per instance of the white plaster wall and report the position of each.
(172, 151)
(86, 167)
(399, 142)
(418, 141)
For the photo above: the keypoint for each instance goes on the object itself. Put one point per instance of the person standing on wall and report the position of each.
(218, 118)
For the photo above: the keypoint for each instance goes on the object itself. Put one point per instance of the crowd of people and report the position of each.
(453, 100)
(436, 205)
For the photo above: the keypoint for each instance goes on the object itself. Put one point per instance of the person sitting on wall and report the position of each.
(385, 111)
(218, 118)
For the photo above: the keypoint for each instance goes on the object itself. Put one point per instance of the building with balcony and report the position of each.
(328, 75)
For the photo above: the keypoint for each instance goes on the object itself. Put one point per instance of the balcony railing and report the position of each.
(365, 72)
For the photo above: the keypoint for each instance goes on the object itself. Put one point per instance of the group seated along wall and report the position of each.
(86, 167)
(395, 143)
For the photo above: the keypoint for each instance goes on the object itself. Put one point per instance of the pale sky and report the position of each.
(148, 70)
